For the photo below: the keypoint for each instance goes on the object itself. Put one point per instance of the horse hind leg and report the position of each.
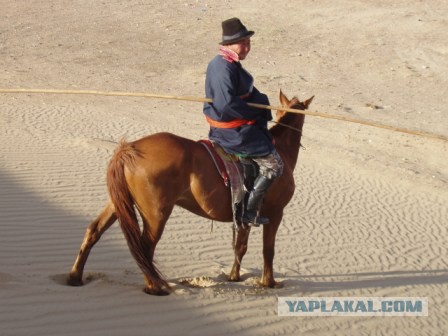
(93, 233)
(154, 215)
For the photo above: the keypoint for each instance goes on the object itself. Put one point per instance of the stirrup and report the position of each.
(252, 219)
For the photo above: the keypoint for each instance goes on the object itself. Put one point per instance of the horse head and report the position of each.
(287, 133)
(293, 103)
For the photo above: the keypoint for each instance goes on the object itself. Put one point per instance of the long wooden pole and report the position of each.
(203, 100)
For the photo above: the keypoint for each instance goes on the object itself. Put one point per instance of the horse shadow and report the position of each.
(312, 284)
(353, 281)
(36, 234)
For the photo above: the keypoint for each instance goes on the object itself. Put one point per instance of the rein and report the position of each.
(207, 100)
(287, 126)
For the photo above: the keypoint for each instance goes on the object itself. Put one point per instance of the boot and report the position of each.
(250, 170)
(250, 215)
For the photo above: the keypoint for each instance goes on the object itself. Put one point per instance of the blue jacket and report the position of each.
(231, 87)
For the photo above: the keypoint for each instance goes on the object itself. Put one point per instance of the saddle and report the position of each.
(231, 171)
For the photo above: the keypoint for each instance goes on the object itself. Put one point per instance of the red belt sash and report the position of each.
(233, 123)
(229, 124)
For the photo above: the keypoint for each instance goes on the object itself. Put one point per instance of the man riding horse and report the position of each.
(237, 127)
(152, 175)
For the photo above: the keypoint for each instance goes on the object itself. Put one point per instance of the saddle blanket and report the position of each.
(230, 169)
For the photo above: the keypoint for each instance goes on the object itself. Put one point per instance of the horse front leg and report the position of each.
(93, 233)
(240, 249)
(269, 234)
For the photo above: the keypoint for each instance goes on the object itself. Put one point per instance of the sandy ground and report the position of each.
(369, 217)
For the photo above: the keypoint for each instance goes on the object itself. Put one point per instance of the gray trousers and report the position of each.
(271, 165)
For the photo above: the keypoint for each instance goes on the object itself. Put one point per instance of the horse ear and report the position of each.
(283, 100)
(308, 102)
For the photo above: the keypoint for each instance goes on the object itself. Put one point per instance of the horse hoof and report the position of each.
(273, 284)
(74, 281)
(234, 278)
(277, 285)
(158, 292)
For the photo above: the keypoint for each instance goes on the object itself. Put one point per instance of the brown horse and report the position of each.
(155, 173)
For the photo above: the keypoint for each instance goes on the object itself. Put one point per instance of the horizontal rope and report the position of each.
(207, 100)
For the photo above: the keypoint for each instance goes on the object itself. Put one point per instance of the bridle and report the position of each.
(297, 106)
(287, 126)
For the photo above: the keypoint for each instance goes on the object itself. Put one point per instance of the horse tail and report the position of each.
(140, 247)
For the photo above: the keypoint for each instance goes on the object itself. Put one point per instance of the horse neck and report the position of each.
(287, 140)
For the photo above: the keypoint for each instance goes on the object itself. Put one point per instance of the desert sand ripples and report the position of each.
(345, 232)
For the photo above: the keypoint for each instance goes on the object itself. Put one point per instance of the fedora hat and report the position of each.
(233, 31)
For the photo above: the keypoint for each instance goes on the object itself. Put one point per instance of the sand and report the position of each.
(369, 216)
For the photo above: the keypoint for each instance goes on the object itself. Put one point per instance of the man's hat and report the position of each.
(233, 31)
